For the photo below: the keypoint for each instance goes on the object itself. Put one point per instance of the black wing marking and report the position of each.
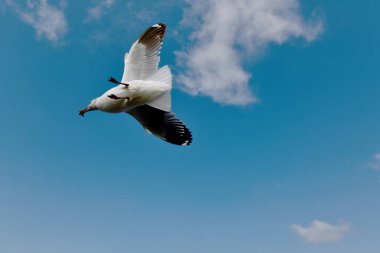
(152, 37)
(163, 124)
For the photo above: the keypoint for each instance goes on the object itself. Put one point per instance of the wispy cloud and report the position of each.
(375, 163)
(49, 21)
(321, 232)
(225, 33)
(96, 12)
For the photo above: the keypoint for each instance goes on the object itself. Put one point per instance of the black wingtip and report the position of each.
(178, 133)
(188, 138)
(162, 25)
(164, 125)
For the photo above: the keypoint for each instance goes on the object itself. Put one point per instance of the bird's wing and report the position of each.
(144, 55)
(163, 124)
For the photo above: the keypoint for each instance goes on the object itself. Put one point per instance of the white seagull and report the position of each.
(144, 90)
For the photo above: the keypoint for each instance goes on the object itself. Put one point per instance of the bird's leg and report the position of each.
(113, 80)
(113, 96)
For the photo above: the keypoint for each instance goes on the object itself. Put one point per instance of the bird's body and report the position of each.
(145, 90)
(139, 93)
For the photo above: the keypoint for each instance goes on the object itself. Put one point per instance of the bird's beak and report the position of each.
(82, 112)
(88, 108)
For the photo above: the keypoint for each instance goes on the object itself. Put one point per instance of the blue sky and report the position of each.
(284, 159)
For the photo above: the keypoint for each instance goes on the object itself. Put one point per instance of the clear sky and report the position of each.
(284, 110)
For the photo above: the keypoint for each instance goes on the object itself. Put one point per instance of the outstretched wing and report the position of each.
(144, 55)
(163, 124)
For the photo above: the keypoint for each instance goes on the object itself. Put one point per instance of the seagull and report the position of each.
(144, 91)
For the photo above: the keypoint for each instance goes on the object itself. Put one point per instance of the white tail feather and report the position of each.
(163, 102)
(162, 75)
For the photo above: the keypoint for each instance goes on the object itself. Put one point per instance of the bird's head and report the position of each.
(90, 107)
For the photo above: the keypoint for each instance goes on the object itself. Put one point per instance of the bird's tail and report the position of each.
(162, 75)
(163, 102)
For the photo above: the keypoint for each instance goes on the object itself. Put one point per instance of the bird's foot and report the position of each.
(113, 96)
(113, 80)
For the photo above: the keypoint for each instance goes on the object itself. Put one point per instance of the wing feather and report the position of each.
(164, 125)
(144, 56)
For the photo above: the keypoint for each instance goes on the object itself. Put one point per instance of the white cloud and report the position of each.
(320, 232)
(225, 33)
(49, 21)
(375, 163)
(96, 12)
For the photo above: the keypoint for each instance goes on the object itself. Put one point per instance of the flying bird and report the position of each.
(144, 91)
